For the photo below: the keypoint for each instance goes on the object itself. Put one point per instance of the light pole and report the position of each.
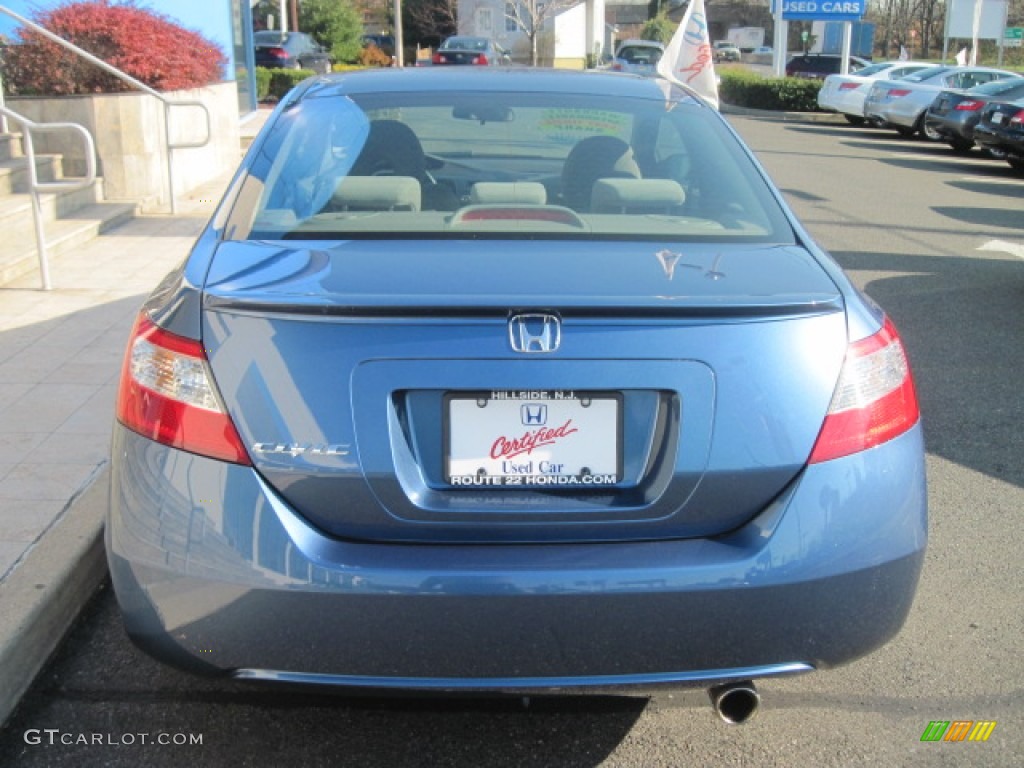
(399, 46)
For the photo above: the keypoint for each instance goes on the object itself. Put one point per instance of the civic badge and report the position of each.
(532, 334)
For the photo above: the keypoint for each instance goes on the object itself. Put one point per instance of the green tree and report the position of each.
(335, 24)
(660, 28)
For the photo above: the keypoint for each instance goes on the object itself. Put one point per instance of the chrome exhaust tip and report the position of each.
(735, 703)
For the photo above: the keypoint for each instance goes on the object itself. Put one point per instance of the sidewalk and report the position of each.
(60, 358)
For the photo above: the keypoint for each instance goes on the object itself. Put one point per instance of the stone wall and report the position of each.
(128, 129)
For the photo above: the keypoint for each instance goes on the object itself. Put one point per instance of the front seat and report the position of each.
(593, 158)
(392, 149)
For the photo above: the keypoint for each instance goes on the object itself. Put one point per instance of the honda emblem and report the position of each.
(532, 334)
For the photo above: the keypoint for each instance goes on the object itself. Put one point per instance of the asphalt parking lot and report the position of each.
(936, 239)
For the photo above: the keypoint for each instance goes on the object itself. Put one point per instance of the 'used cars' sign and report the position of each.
(825, 10)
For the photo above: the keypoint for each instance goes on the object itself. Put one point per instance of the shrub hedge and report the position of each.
(748, 89)
(273, 84)
(262, 83)
(146, 45)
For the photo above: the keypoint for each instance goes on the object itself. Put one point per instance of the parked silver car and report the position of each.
(901, 104)
(724, 50)
(845, 94)
(638, 57)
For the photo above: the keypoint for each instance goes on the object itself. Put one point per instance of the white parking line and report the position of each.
(1008, 182)
(1002, 246)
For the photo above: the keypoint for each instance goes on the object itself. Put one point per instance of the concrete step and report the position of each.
(14, 172)
(18, 255)
(16, 209)
(10, 146)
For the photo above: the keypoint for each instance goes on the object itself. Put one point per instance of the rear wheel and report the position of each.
(854, 119)
(961, 145)
(928, 131)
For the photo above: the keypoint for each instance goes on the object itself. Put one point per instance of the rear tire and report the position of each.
(928, 132)
(854, 119)
(961, 145)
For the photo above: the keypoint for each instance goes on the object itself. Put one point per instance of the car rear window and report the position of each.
(926, 74)
(640, 54)
(874, 69)
(996, 87)
(463, 165)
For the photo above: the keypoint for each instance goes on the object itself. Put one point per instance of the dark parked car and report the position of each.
(953, 114)
(512, 380)
(479, 51)
(291, 50)
(818, 66)
(1001, 129)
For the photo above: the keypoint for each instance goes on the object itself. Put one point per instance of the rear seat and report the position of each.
(377, 193)
(636, 196)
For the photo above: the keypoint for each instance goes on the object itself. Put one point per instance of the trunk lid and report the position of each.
(339, 363)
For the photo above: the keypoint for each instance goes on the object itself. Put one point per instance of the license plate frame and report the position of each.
(535, 439)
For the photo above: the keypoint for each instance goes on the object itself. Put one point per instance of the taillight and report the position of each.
(617, 67)
(897, 93)
(970, 105)
(278, 53)
(437, 58)
(481, 59)
(874, 401)
(167, 394)
(849, 86)
(1018, 119)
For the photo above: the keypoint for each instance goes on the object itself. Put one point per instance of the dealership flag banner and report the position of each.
(688, 57)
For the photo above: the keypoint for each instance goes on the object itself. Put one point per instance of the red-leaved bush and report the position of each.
(141, 43)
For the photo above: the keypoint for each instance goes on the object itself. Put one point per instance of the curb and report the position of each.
(44, 595)
(786, 117)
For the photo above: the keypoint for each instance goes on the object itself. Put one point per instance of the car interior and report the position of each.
(517, 170)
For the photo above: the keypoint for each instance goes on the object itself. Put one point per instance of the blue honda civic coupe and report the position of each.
(512, 381)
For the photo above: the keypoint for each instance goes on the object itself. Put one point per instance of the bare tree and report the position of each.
(530, 15)
(929, 17)
(430, 21)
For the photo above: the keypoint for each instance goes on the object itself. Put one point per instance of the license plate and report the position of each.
(548, 438)
(997, 118)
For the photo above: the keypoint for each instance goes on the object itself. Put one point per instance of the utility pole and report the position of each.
(399, 42)
(295, 14)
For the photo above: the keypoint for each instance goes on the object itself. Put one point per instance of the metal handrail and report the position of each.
(168, 104)
(35, 186)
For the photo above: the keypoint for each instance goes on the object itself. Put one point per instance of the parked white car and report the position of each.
(846, 93)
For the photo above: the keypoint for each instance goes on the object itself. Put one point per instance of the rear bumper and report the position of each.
(215, 574)
(900, 112)
(985, 136)
(950, 128)
(843, 102)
